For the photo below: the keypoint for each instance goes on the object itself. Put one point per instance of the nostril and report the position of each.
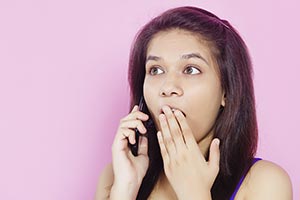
(171, 89)
(167, 93)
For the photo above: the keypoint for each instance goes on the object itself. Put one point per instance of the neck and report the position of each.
(204, 144)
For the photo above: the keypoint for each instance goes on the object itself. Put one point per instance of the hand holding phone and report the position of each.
(130, 170)
(135, 147)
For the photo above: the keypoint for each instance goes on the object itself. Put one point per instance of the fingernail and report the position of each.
(162, 117)
(217, 142)
(159, 134)
(144, 129)
(177, 112)
(146, 117)
(134, 108)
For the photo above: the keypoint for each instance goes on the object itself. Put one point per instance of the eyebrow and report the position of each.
(193, 55)
(184, 56)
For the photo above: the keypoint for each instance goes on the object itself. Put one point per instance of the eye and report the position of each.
(192, 70)
(155, 71)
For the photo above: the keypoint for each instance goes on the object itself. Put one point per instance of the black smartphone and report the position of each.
(135, 147)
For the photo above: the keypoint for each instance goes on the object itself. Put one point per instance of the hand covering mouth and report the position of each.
(173, 110)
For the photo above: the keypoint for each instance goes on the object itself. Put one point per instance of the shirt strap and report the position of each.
(242, 179)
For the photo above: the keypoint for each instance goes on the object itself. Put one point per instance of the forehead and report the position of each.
(178, 41)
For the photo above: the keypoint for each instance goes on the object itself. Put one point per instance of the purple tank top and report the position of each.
(242, 179)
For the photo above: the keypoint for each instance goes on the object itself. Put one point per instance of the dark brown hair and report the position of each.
(236, 124)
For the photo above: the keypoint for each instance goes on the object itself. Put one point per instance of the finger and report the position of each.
(163, 150)
(214, 155)
(167, 137)
(135, 108)
(121, 140)
(128, 134)
(132, 124)
(174, 127)
(135, 114)
(187, 134)
(143, 146)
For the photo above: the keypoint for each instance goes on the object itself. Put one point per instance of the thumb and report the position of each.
(214, 155)
(143, 146)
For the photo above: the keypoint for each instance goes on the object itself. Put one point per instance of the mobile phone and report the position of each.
(135, 147)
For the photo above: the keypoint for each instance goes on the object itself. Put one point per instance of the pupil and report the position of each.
(154, 71)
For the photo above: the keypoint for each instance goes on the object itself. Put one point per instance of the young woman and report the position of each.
(194, 73)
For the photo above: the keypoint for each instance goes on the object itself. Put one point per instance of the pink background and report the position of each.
(63, 86)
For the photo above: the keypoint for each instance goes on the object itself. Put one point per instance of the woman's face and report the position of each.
(181, 73)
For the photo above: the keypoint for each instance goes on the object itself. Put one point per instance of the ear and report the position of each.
(223, 99)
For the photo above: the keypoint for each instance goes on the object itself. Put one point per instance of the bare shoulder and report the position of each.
(267, 180)
(105, 182)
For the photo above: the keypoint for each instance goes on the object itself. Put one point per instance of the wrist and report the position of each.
(123, 191)
(196, 196)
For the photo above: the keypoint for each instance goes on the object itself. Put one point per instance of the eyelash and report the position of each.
(187, 67)
(152, 68)
(193, 67)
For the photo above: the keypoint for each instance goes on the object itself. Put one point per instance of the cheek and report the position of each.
(150, 95)
(151, 90)
(148, 92)
(204, 110)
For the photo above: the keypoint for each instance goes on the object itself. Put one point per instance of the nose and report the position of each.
(171, 87)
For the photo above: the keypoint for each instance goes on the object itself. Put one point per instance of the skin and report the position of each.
(189, 84)
(183, 94)
(176, 83)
